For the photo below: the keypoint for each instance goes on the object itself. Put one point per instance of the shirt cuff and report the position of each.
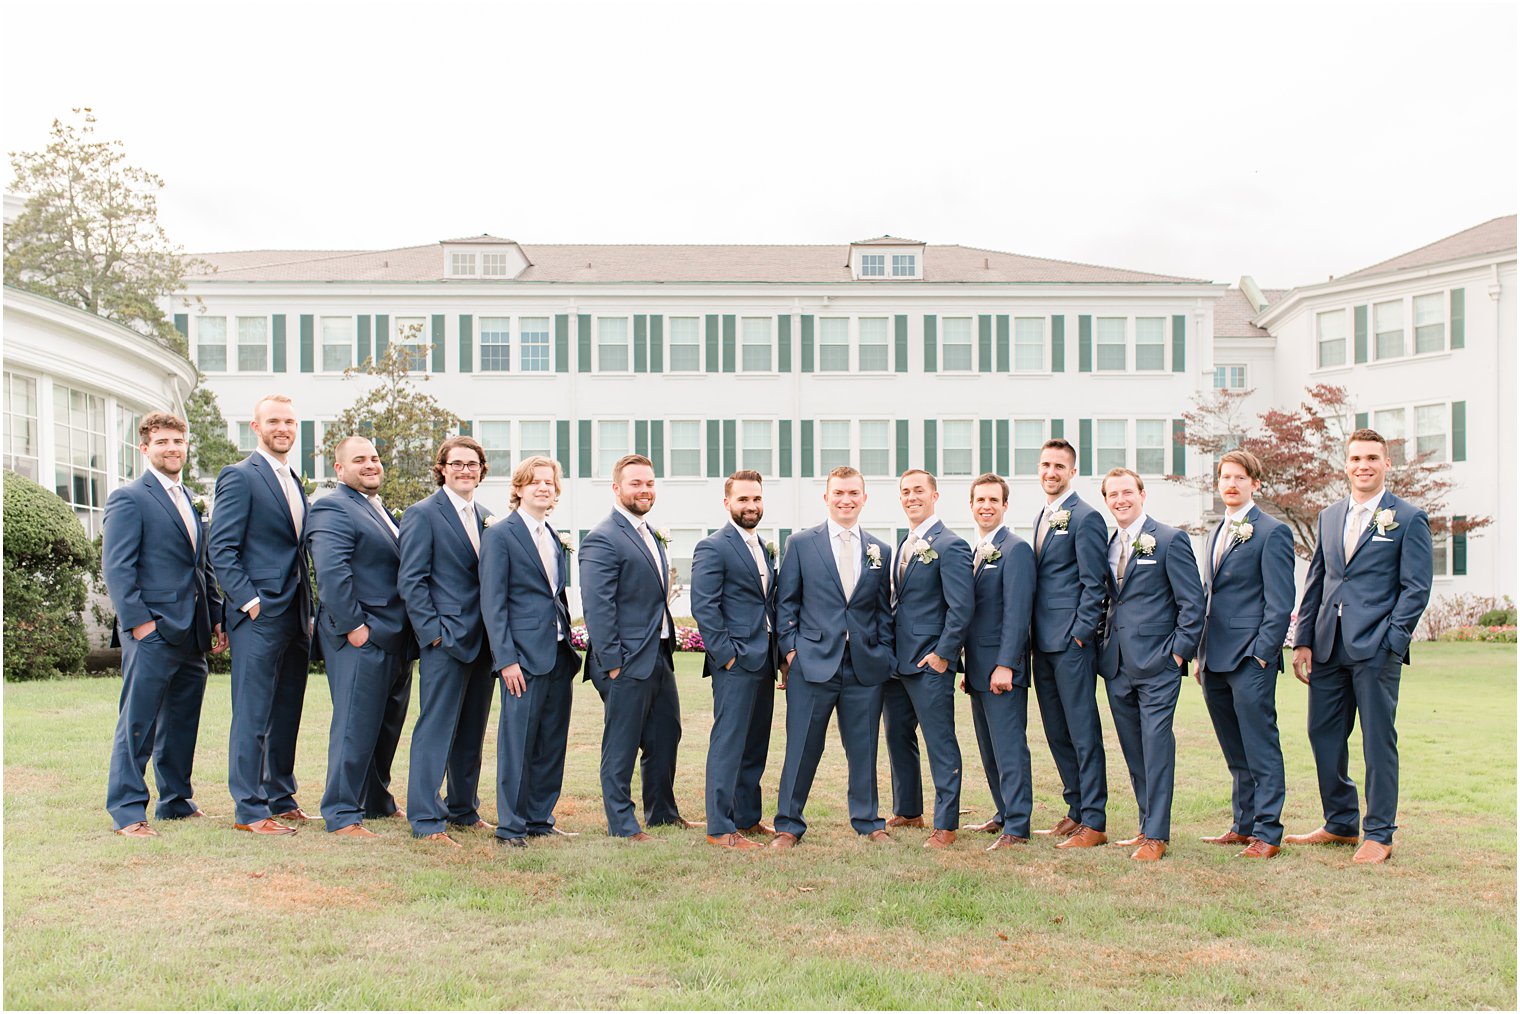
(250, 604)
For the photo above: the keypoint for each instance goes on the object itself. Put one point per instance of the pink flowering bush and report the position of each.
(1492, 635)
(687, 638)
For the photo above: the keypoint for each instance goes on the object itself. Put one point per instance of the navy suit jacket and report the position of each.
(729, 605)
(1380, 594)
(934, 601)
(623, 597)
(813, 616)
(1249, 597)
(523, 614)
(999, 631)
(357, 561)
(151, 570)
(254, 547)
(1071, 578)
(1160, 611)
(439, 578)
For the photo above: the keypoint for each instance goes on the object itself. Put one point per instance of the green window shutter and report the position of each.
(382, 334)
(1458, 547)
(182, 324)
(711, 352)
(640, 343)
(931, 445)
(782, 535)
(730, 343)
(730, 446)
(985, 434)
(466, 343)
(784, 343)
(903, 463)
(562, 344)
(805, 458)
(1057, 428)
(900, 343)
(784, 447)
(583, 343)
(902, 535)
(584, 435)
(1458, 318)
(984, 343)
(562, 446)
(466, 428)
(1084, 452)
(931, 343)
(1084, 343)
(277, 342)
(1361, 420)
(1179, 447)
(308, 343)
(1058, 343)
(1004, 364)
(656, 343)
(440, 343)
(1459, 431)
(308, 448)
(1359, 328)
(806, 353)
(657, 446)
(1179, 345)
(1002, 447)
(364, 325)
(714, 449)
(641, 437)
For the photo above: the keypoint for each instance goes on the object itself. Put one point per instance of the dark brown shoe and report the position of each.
(296, 814)
(1064, 827)
(438, 837)
(783, 841)
(1150, 851)
(266, 826)
(1006, 841)
(760, 828)
(897, 821)
(641, 836)
(733, 840)
(941, 838)
(137, 830)
(988, 827)
(355, 831)
(1258, 849)
(879, 837)
(1228, 838)
(1319, 836)
(1372, 852)
(1083, 838)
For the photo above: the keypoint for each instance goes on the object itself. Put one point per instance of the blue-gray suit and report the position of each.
(930, 612)
(1359, 616)
(528, 625)
(153, 572)
(439, 580)
(736, 616)
(1156, 613)
(624, 599)
(999, 636)
(357, 559)
(1071, 583)
(844, 654)
(257, 553)
(1249, 602)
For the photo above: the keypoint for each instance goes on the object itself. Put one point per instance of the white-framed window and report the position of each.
(755, 345)
(535, 436)
(1150, 343)
(411, 334)
(956, 348)
(904, 265)
(211, 344)
(1110, 445)
(21, 425)
(1389, 422)
(1029, 344)
(1330, 326)
(757, 445)
(1430, 322)
(612, 345)
(79, 453)
(1388, 326)
(833, 344)
(495, 436)
(322, 466)
(493, 264)
(613, 440)
(1440, 556)
(876, 446)
(247, 440)
(1109, 339)
(1028, 439)
(684, 448)
(873, 265)
(1150, 446)
(253, 344)
(957, 447)
(1430, 426)
(337, 343)
(1229, 377)
(496, 344)
(683, 544)
(461, 263)
(128, 461)
(533, 343)
(684, 345)
(875, 345)
(833, 444)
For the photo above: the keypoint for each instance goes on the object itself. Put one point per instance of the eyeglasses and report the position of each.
(463, 466)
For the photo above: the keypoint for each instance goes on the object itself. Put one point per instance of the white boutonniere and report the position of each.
(988, 553)
(1060, 519)
(200, 507)
(490, 519)
(925, 553)
(770, 550)
(1145, 545)
(1242, 530)
(1384, 522)
(663, 534)
(564, 542)
(873, 554)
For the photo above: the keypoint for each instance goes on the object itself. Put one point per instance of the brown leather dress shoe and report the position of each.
(1372, 852)
(783, 841)
(1228, 838)
(440, 838)
(940, 838)
(355, 831)
(266, 826)
(1083, 838)
(1006, 841)
(641, 836)
(760, 828)
(897, 821)
(879, 836)
(296, 814)
(733, 840)
(137, 830)
(986, 827)
(1065, 826)
(1319, 836)
(1258, 849)
(1150, 850)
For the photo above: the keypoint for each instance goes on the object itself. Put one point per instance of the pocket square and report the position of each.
(1146, 563)
(989, 566)
(1380, 538)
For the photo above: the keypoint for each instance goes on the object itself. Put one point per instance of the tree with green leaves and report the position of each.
(210, 449)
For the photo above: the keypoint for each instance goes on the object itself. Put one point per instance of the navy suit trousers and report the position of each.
(531, 736)
(743, 703)
(1143, 710)
(370, 689)
(270, 659)
(454, 705)
(907, 703)
(640, 716)
(1339, 690)
(161, 691)
(1243, 705)
(1065, 685)
(1001, 722)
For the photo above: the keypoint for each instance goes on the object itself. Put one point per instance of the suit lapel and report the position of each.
(519, 531)
(454, 522)
(359, 502)
(638, 541)
(1366, 535)
(824, 544)
(741, 553)
(165, 500)
(1148, 528)
(275, 489)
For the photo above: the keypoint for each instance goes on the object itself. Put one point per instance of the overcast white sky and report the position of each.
(1210, 140)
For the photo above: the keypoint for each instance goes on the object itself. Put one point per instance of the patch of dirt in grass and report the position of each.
(289, 892)
(20, 780)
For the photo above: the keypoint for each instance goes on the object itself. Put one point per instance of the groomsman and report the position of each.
(1249, 601)
(366, 640)
(258, 549)
(524, 567)
(997, 661)
(733, 599)
(439, 580)
(1155, 617)
(625, 597)
(1069, 539)
(169, 615)
(931, 607)
(1368, 583)
(834, 623)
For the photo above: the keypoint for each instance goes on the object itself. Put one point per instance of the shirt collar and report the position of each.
(170, 485)
(747, 534)
(991, 536)
(1230, 517)
(633, 519)
(928, 523)
(459, 502)
(1051, 505)
(835, 528)
(1137, 526)
(1376, 499)
(274, 462)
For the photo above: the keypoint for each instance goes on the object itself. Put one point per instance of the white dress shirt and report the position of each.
(180, 497)
(1369, 507)
(1226, 533)
(857, 544)
(1125, 536)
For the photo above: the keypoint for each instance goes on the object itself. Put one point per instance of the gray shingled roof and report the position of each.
(1232, 316)
(1493, 236)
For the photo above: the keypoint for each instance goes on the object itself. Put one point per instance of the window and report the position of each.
(683, 543)
(1150, 446)
(833, 444)
(1388, 325)
(1390, 423)
(21, 425)
(411, 334)
(1229, 377)
(957, 447)
(462, 264)
(1109, 450)
(955, 338)
(495, 436)
(1430, 323)
(128, 461)
(322, 466)
(1430, 431)
(875, 345)
(496, 344)
(833, 344)
(1029, 344)
(211, 343)
(873, 265)
(611, 444)
(755, 445)
(1440, 557)
(493, 264)
(685, 344)
(337, 343)
(533, 337)
(247, 440)
(1028, 438)
(685, 448)
(612, 344)
(876, 446)
(904, 265)
(1332, 338)
(79, 449)
(1150, 343)
(1109, 334)
(757, 345)
(535, 436)
(253, 344)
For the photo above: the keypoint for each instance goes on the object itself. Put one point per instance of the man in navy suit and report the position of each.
(625, 597)
(524, 567)
(1368, 583)
(169, 615)
(1155, 617)
(366, 640)
(931, 608)
(258, 549)
(1249, 601)
(997, 661)
(834, 628)
(733, 599)
(439, 580)
(1069, 544)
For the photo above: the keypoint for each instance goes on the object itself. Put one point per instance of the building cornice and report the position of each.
(1349, 285)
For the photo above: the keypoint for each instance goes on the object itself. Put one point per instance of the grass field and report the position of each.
(206, 917)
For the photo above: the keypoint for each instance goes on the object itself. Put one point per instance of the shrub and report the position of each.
(1490, 634)
(48, 561)
(1451, 611)
(1504, 616)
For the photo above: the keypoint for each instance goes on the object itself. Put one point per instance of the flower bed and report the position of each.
(687, 638)
(1494, 635)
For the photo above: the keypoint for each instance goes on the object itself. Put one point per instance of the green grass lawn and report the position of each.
(207, 917)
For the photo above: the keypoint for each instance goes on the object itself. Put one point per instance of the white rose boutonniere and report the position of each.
(873, 554)
(1145, 545)
(988, 553)
(1060, 519)
(564, 542)
(1242, 530)
(490, 520)
(1383, 519)
(663, 534)
(770, 550)
(925, 553)
(202, 510)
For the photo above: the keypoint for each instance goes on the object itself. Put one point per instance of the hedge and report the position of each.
(48, 560)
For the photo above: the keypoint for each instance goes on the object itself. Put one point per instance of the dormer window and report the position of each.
(493, 264)
(904, 266)
(871, 259)
(474, 257)
(462, 264)
(873, 265)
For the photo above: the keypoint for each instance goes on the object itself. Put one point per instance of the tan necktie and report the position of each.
(1354, 530)
(905, 555)
(186, 514)
(1123, 559)
(293, 497)
(654, 554)
(547, 556)
(844, 560)
(1223, 542)
(470, 528)
(374, 501)
(1039, 537)
(755, 551)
